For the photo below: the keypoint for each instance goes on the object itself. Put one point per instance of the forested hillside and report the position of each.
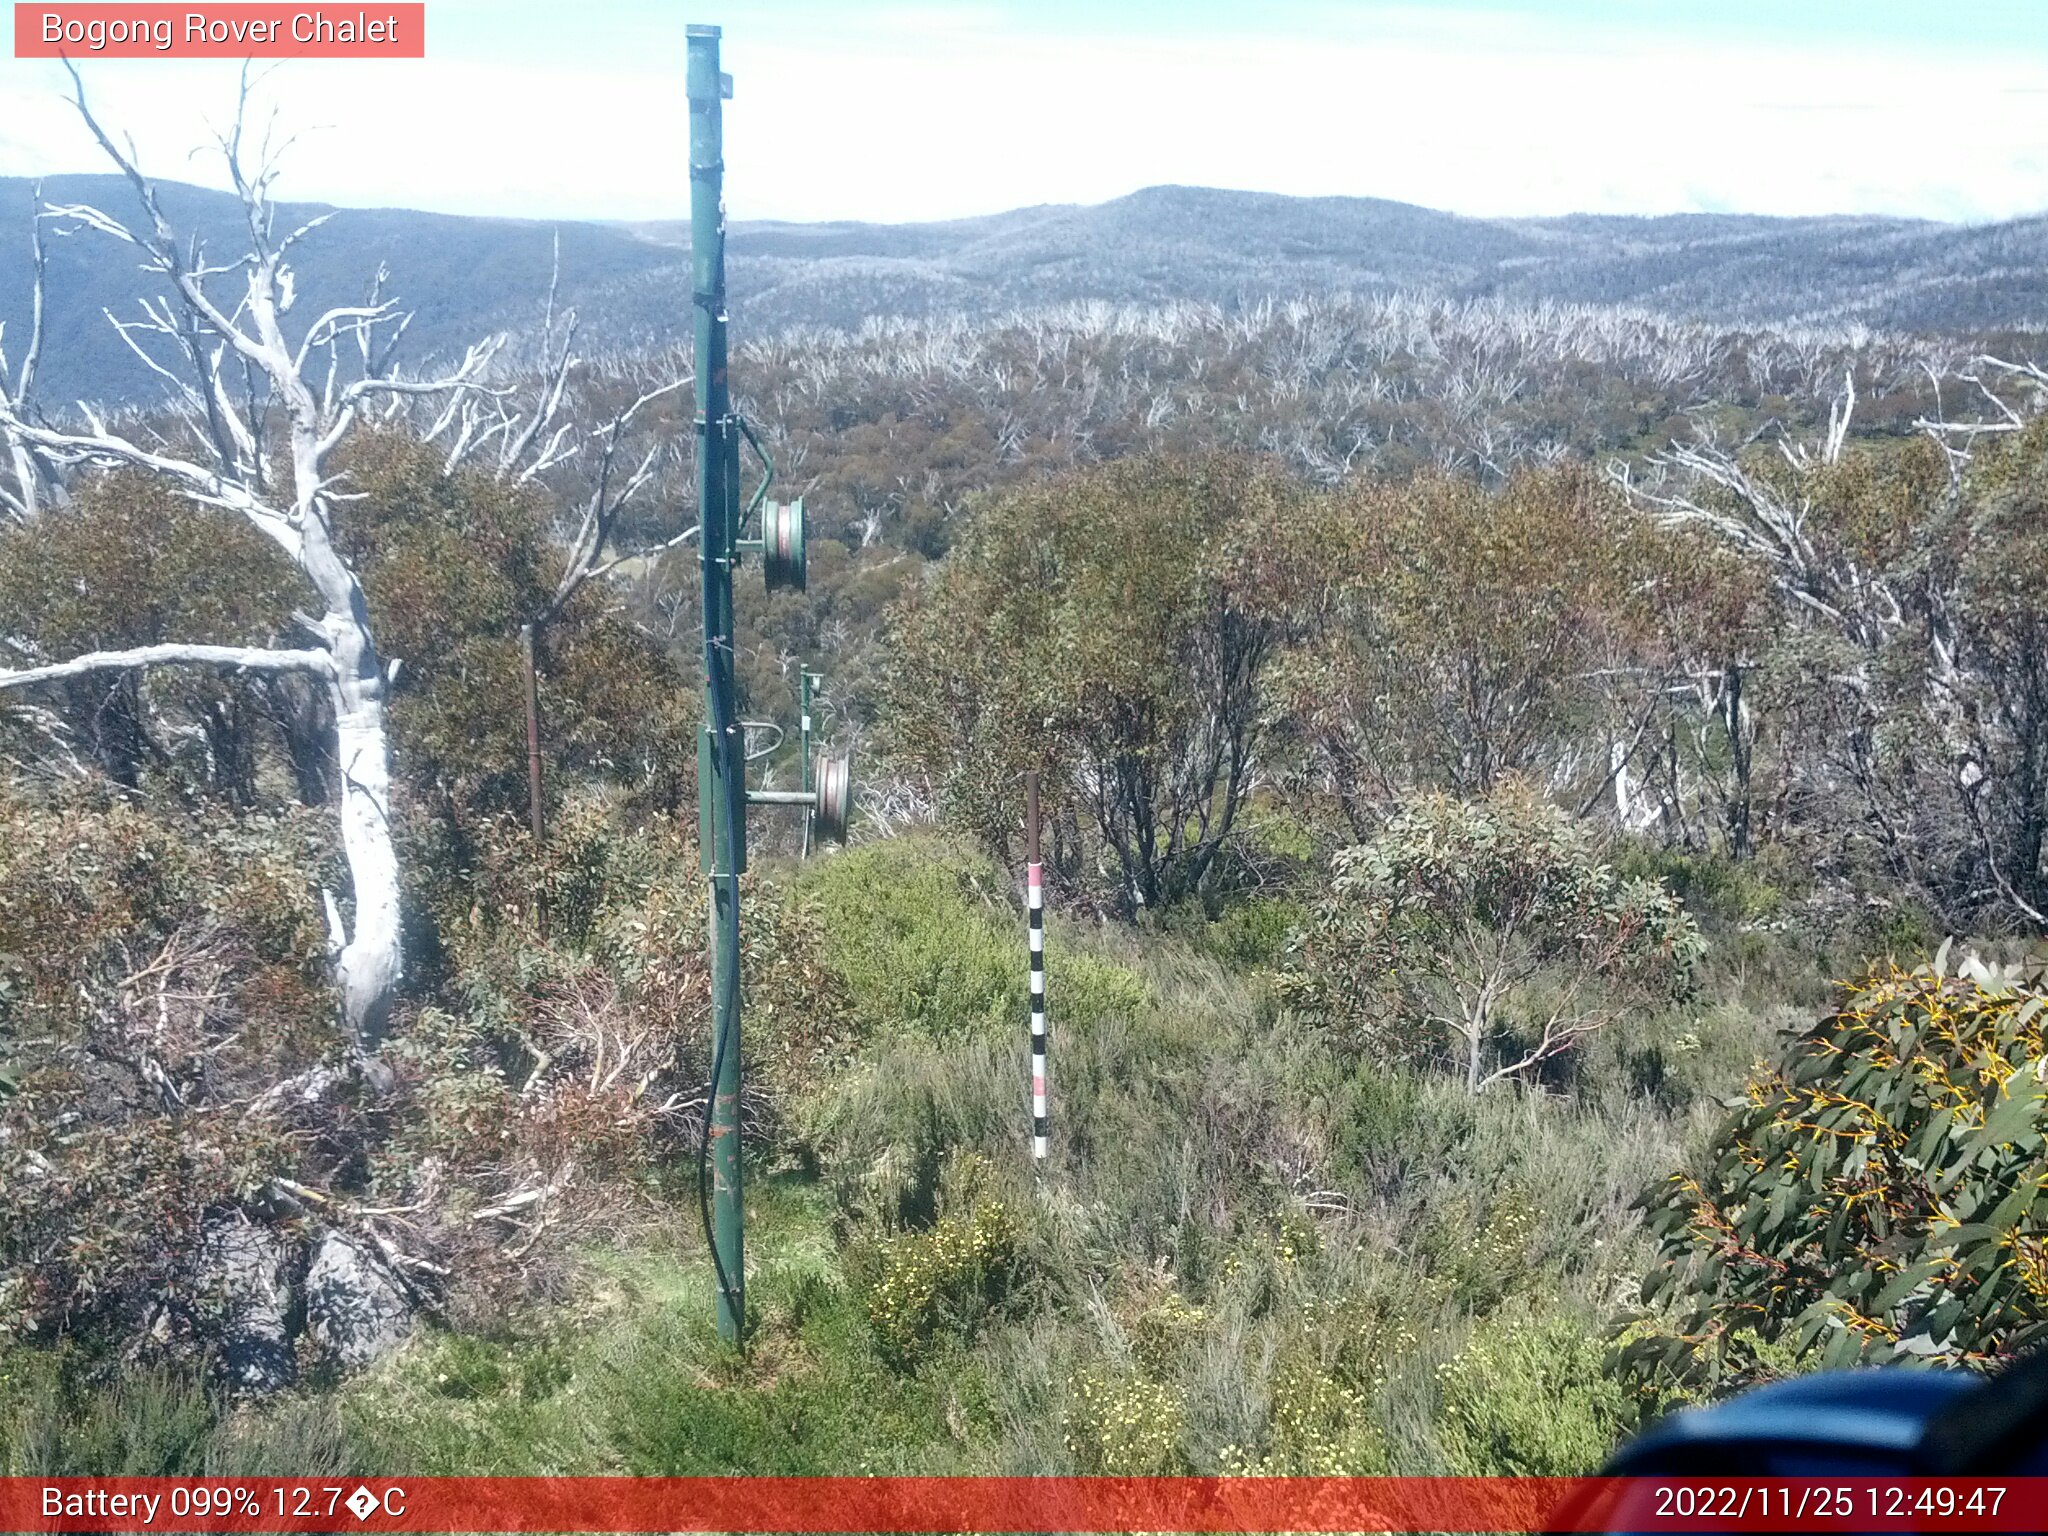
(1162, 245)
(1511, 764)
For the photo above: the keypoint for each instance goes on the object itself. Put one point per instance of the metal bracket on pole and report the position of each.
(767, 470)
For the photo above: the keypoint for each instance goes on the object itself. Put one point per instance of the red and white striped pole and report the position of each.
(1034, 885)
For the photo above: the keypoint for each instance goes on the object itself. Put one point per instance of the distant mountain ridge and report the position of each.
(629, 282)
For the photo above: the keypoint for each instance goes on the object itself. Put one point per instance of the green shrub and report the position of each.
(1712, 884)
(1087, 989)
(1873, 1197)
(1253, 935)
(1528, 1397)
(909, 928)
(927, 941)
(1124, 1424)
(1318, 1425)
(923, 1285)
(57, 1419)
(1486, 936)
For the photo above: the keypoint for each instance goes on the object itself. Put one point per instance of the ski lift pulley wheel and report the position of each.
(832, 801)
(783, 563)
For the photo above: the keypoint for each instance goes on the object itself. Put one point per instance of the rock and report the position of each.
(246, 1272)
(356, 1311)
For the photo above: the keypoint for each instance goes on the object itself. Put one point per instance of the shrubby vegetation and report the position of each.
(1874, 1196)
(1486, 936)
(159, 972)
(1196, 1287)
(1393, 750)
(1116, 625)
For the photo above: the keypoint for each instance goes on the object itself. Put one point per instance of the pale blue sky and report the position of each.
(930, 110)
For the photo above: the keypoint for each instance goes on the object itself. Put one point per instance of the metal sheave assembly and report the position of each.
(832, 802)
(783, 563)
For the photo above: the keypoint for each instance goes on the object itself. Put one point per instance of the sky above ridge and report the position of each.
(888, 112)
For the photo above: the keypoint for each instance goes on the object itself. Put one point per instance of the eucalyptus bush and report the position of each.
(1487, 936)
(1875, 1196)
(1113, 627)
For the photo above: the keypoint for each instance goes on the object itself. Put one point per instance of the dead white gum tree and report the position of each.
(544, 430)
(258, 419)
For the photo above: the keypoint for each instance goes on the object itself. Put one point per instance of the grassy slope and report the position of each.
(1253, 1252)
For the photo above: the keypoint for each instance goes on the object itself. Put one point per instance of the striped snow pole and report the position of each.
(1034, 885)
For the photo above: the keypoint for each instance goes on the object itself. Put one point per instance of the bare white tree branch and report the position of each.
(31, 477)
(236, 658)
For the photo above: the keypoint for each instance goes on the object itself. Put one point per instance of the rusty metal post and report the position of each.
(536, 814)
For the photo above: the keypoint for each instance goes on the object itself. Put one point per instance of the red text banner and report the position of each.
(1090, 1504)
(217, 31)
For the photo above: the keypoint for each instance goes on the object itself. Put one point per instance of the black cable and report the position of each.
(733, 1302)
